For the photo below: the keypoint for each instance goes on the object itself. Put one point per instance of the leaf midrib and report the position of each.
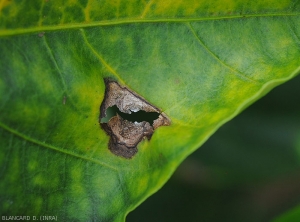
(46, 145)
(10, 32)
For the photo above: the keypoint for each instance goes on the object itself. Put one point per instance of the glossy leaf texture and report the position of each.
(200, 62)
(249, 170)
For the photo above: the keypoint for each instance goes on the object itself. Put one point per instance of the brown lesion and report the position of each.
(126, 135)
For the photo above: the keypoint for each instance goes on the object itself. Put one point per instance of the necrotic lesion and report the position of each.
(128, 119)
(139, 116)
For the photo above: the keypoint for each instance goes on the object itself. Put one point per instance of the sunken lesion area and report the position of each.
(128, 119)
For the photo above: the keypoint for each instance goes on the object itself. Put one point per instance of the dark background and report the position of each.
(249, 170)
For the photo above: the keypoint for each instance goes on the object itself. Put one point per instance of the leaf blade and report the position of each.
(194, 71)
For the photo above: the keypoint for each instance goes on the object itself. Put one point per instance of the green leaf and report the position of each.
(201, 63)
(290, 216)
(247, 171)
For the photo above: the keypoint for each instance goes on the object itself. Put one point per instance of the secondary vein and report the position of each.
(43, 144)
(100, 57)
(238, 73)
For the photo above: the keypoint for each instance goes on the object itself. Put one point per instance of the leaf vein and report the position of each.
(50, 52)
(64, 85)
(294, 33)
(238, 73)
(46, 145)
(8, 32)
(101, 59)
(146, 9)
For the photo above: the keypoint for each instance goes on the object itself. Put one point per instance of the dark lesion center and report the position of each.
(128, 119)
(138, 116)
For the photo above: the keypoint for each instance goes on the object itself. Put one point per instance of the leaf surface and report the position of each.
(200, 62)
(249, 170)
(290, 216)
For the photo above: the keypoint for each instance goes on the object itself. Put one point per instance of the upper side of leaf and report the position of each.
(199, 73)
(20, 17)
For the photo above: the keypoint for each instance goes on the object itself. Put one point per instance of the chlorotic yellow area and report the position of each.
(32, 165)
(56, 14)
(39, 180)
(167, 6)
(72, 2)
(4, 3)
(142, 184)
(147, 8)
(76, 174)
(77, 179)
(34, 112)
(38, 203)
(200, 73)
(87, 10)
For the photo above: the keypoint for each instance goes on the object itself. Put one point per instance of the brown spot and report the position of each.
(126, 135)
(41, 34)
